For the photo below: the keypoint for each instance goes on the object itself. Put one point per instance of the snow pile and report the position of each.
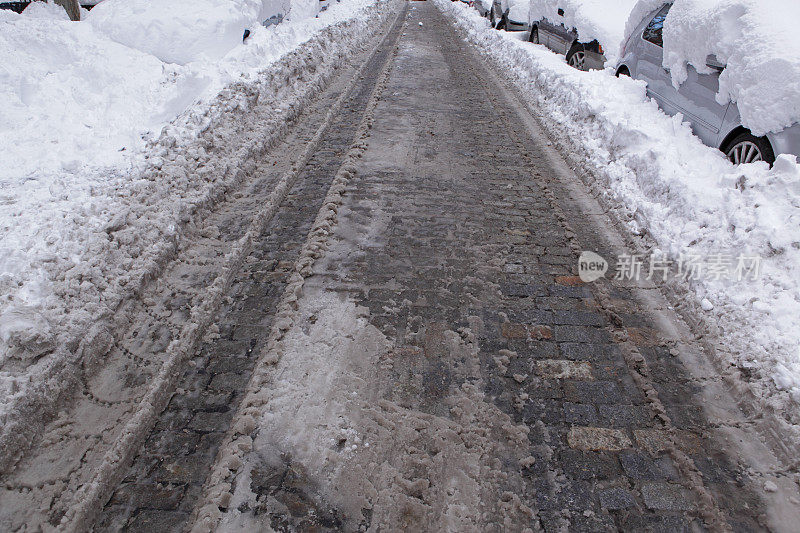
(178, 31)
(601, 20)
(755, 39)
(661, 180)
(108, 154)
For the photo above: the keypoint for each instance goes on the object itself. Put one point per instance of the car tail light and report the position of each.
(600, 48)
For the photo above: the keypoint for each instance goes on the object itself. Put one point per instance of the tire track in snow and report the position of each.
(218, 490)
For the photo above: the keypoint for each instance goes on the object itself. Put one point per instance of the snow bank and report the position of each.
(661, 180)
(178, 31)
(756, 39)
(107, 153)
(601, 20)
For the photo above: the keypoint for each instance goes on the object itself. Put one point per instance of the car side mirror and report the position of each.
(713, 62)
(560, 12)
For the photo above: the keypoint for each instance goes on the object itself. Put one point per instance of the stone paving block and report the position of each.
(589, 352)
(641, 466)
(594, 392)
(594, 438)
(578, 318)
(658, 524)
(580, 414)
(666, 497)
(617, 415)
(583, 464)
(616, 498)
(584, 334)
(520, 290)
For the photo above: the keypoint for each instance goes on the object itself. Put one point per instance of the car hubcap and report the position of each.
(744, 152)
(578, 60)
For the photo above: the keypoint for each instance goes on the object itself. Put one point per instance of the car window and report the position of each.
(654, 31)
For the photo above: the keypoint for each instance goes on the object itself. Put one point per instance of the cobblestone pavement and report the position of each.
(455, 245)
(444, 370)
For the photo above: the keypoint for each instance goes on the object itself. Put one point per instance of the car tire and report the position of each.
(576, 57)
(623, 71)
(534, 36)
(747, 148)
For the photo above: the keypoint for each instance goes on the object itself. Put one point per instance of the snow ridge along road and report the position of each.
(121, 398)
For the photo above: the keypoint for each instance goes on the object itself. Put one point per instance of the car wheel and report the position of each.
(492, 18)
(534, 36)
(576, 57)
(746, 148)
(623, 71)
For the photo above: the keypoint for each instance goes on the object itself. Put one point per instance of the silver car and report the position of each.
(509, 15)
(555, 35)
(717, 125)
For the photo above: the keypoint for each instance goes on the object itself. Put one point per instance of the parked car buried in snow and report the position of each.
(587, 32)
(509, 15)
(697, 97)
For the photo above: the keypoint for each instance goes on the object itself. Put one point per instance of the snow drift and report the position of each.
(662, 181)
(755, 39)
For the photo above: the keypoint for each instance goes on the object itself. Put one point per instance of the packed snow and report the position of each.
(755, 39)
(660, 180)
(601, 20)
(90, 113)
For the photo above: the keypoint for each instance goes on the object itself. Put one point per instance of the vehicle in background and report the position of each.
(509, 15)
(553, 31)
(20, 6)
(717, 125)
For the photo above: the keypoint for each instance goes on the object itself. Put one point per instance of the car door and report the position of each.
(545, 33)
(565, 34)
(649, 67)
(695, 98)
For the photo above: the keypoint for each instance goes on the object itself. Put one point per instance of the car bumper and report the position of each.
(786, 141)
(595, 60)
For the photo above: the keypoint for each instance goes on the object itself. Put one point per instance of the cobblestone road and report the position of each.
(454, 244)
(443, 368)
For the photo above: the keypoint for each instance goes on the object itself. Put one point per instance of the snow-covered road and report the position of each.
(376, 324)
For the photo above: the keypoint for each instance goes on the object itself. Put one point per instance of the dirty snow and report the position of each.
(357, 442)
(661, 181)
(88, 124)
(755, 39)
(601, 20)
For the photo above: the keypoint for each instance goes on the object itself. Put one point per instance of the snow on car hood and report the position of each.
(603, 20)
(755, 39)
